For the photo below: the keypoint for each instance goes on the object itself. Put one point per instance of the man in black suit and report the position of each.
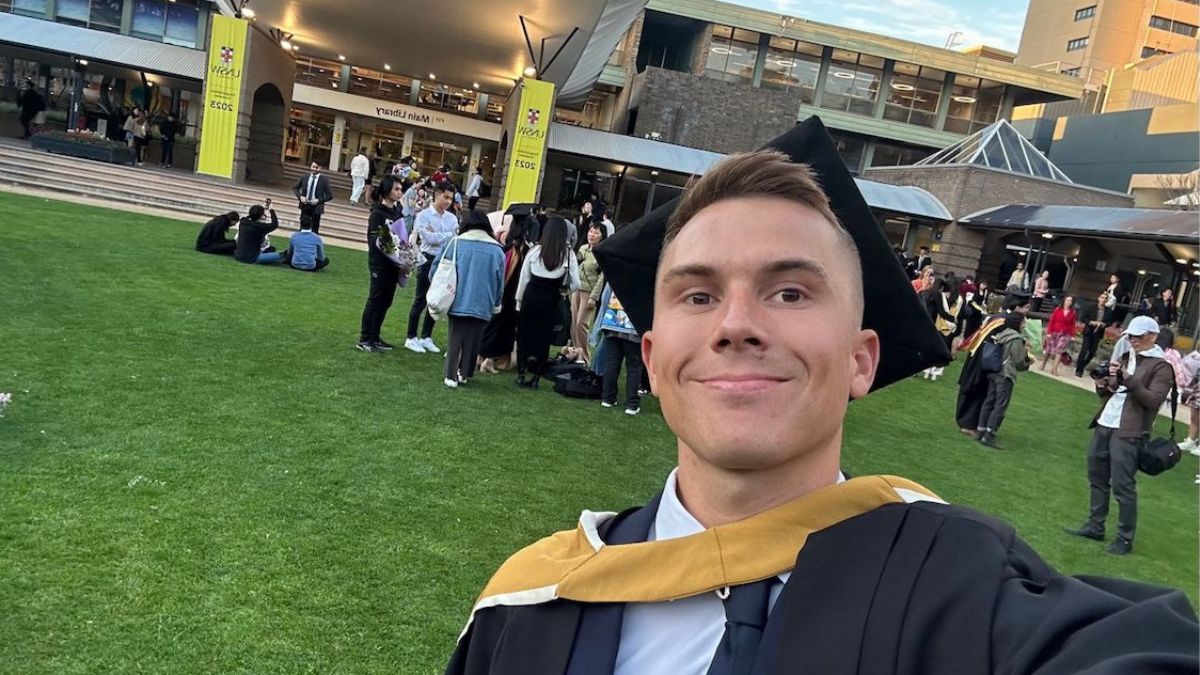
(921, 261)
(313, 191)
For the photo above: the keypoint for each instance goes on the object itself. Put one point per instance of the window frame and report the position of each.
(1085, 12)
(1077, 44)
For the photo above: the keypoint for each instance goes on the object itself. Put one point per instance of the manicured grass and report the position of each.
(199, 474)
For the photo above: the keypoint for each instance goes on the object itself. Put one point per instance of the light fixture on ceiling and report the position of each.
(333, 84)
(341, 57)
(285, 43)
(1181, 261)
(387, 66)
(902, 86)
(654, 172)
(843, 75)
(1142, 272)
(964, 99)
(82, 62)
(722, 50)
(1047, 235)
(432, 76)
(1021, 253)
(295, 47)
(247, 13)
(475, 85)
(530, 71)
(786, 63)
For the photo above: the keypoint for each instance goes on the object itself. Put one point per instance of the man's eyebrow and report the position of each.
(797, 265)
(695, 270)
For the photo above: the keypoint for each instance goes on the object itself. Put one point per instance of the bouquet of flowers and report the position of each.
(398, 250)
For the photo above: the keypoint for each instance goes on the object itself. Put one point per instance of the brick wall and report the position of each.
(967, 189)
(710, 114)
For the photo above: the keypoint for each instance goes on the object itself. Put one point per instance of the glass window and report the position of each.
(318, 72)
(853, 82)
(445, 97)
(1147, 52)
(35, 8)
(182, 21)
(73, 11)
(895, 154)
(149, 18)
(974, 104)
(913, 94)
(1180, 27)
(732, 54)
(1085, 13)
(495, 110)
(1076, 44)
(106, 14)
(792, 65)
(851, 147)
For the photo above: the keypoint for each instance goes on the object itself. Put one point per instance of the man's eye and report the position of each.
(790, 295)
(699, 299)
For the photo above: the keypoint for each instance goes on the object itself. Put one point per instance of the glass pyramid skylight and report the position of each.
(998, 146)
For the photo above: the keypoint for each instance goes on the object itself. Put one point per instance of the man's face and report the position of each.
(1167, 294)
(756, 347)
(316, 168)
(1141, 343)
(444, 199)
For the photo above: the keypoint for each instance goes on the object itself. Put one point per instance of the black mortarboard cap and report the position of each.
(909, 341)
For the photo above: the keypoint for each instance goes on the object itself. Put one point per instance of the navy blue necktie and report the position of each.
(746, 611)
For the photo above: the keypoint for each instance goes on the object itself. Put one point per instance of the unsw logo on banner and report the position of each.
(533, 116)
(226, 55)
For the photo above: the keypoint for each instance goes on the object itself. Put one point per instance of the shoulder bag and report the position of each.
(444, 285)
(1161, 454)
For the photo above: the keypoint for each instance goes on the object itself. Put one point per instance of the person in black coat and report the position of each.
(31, 103)
(168, 129)
(212, 237)
(312, 189)
(1162, 308)
(251, 233)
(1095, 318)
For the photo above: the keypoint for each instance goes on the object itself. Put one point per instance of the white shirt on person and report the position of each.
(534, 267)
(360, 166)
(678, 637)
(474, 186)
(433, 230)
(1110, 417)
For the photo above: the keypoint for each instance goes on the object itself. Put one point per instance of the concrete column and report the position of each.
(483, 104)
(822, 75)
(10, 77)
(76, 98)
(176, 98)
(885, 86)
(414, 95)
(867, 156)
(473, 160)
(944, 102)
(764, 42)
(51, 9)
(1006, 103)
(335, 150)
(127, 18)
(344, 79)
(406, 146)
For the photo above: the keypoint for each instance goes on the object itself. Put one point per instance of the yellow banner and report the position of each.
(222, 96)
(534, 113)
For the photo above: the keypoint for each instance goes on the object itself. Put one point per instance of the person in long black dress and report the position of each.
(500, 336)
(972, 381)
(550, 272)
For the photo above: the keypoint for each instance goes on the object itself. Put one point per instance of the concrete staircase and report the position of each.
(171, 192)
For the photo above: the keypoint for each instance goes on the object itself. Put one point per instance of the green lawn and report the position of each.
(199, 474)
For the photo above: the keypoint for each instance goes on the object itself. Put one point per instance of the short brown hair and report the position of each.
(765, 173)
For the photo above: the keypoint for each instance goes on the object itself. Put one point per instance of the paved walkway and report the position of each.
(1067, 375)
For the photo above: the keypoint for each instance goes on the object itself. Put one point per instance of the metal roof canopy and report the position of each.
(1177, 231)
(118, 50)
(998, 146)
(642, 152)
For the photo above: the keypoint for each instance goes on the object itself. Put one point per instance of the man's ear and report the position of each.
(864, 362)
(647, 359)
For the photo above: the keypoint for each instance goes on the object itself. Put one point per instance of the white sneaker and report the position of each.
(632, 411)
(414, 345)
(453, 384)
(427, 343)
(606, 404)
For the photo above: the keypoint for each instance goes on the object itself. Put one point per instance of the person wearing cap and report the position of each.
(760, 555)
(1133, 392)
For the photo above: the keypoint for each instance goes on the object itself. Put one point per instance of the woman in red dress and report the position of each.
(1059, 332)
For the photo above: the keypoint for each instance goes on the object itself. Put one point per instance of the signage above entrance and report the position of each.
(397, 112)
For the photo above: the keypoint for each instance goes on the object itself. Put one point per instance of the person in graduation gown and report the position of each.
(972, 381)
(759, 556)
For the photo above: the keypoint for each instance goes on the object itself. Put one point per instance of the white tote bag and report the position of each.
(444, 285)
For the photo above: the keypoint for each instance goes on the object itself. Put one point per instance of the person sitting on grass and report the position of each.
(306, 251)
(252, 231)
(213, 238)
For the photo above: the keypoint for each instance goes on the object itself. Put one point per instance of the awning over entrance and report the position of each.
(642, 152)
(120, 50)
(1177, 233)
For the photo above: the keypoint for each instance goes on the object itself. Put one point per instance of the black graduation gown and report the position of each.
(904, 589)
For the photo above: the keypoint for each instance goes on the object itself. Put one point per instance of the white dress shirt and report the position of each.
(1110, 417)
(678, 637)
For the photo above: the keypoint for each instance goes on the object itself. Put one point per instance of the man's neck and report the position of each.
(439, 211)
(717, 496)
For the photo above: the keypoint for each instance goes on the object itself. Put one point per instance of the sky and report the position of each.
(996, 23)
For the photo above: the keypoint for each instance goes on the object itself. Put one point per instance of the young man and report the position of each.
(360, 168)
(759, 556)
(251, 233)
(168, 129)
(921, 260)
(212, 237)
(306, 251)
(313, 191)
(1136, 388)
(434, 227)
(473, 188)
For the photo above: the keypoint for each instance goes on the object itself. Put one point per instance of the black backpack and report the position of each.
(575, 380)
(991, 356)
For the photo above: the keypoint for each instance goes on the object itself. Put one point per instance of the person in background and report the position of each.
(944, 304)
(213, 239)
(1015, 358)
(1114, 292)
(1162, 308)
(404, 169)
(1189, 396)
(1041, 289)
(549, 270)
(499, 337)
(137, 128)
(360, 168)
(604, 220)
(967, 286)
(479, 264)
(621, 343)
(924, 280)
(1095, 320)
(31, 103)
(1133, 392)
(1059, 333)
(434, 227)
(922, 260)
(985, 294)
(168, 129)
(583, 222)
(442, 175)
(973, 311)
(252, 231)
(972, 379)
(590, 277)
(474, 186)
(306, 251)
(382, 257)
(313, 191)
(1016, 281)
